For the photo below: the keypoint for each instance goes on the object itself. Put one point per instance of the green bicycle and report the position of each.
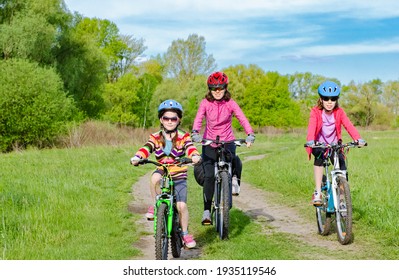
(166, 216)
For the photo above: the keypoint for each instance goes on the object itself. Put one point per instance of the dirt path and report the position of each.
(254, 203)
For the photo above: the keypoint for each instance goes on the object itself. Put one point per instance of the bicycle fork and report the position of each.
(219, 167)
(169, 203)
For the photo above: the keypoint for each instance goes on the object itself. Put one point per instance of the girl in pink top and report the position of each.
(325, 122)
(218, 109)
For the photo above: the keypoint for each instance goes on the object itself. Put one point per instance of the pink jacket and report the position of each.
(219, 116)
(316, 122)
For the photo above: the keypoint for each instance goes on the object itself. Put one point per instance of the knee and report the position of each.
(181, 206)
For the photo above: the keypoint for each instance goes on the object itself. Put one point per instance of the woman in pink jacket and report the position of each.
(218, 109)
(325, 126)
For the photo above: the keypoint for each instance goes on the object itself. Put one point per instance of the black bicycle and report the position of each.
(166, 216)
(222, 198)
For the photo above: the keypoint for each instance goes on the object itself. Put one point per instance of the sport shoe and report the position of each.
(235, 186)
(189, 241)
(150, 213)
(342, 209)
(206, 218)
(316, 199)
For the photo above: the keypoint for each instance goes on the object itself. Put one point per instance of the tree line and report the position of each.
(58, 69)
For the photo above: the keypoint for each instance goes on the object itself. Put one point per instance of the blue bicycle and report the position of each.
(336, 197)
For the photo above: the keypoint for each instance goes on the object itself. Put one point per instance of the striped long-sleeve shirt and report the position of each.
(183, 147)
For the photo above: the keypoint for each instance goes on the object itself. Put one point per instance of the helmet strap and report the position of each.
(165, 131)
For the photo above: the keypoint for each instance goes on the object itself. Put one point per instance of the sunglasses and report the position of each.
(326, 98)
(172, 119)
(217, 88)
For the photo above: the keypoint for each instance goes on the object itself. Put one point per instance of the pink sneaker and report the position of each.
(189, 241)
(150, 213)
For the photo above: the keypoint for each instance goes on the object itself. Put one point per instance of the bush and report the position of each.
(33, 106)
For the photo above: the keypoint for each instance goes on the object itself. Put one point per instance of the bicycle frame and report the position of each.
(331, 183)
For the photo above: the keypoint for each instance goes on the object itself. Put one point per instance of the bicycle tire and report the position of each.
(176, 242)
(344, 215)
(215, 213)
(161, 234)
(224, 206)
(323, 218)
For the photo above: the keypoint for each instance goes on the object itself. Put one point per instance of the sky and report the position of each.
(352, 40)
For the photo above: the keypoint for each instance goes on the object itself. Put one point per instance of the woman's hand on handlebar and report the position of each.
(250, 140)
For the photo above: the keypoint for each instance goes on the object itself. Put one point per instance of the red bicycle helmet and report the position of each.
(218, 79)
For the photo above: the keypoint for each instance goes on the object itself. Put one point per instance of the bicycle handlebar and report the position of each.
(179, 161)
(237, 142)
(334, 145)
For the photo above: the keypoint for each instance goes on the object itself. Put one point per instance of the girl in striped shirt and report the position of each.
(168, 144)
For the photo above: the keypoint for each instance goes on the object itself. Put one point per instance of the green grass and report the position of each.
(73, 203)
(372, 176)
(66, 204)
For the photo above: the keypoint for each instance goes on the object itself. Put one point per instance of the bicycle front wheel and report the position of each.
(176, 242)
(323, 217)
(344, 212)
(161, 233)
(224, 205)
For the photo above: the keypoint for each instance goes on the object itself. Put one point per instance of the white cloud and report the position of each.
(230, 9)
(368, 47)
(270, 32)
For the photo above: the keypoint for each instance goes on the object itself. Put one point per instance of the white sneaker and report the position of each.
(235, 186)
(206, 218)
(316, 199)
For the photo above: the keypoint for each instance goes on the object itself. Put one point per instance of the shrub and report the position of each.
(33, 106)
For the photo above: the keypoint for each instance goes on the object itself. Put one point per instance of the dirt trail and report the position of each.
(254, 203)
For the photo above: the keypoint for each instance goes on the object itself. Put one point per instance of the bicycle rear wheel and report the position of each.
(344, 212)
(322, 216)
(161, 234)
(176, 242)
(224, 206)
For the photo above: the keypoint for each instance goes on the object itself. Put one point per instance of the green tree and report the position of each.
(390, 98)
(148, 84)
(126, 56)
(33, 107)
(361, 102)
(185, 59)
(120, 50)
(240, 77)
(83, 68)
(121, 98)
(268, 103)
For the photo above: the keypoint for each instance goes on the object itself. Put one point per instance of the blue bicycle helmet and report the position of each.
(170, 105)
(329, 88)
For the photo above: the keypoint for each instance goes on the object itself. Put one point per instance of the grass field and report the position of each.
(72, 204)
